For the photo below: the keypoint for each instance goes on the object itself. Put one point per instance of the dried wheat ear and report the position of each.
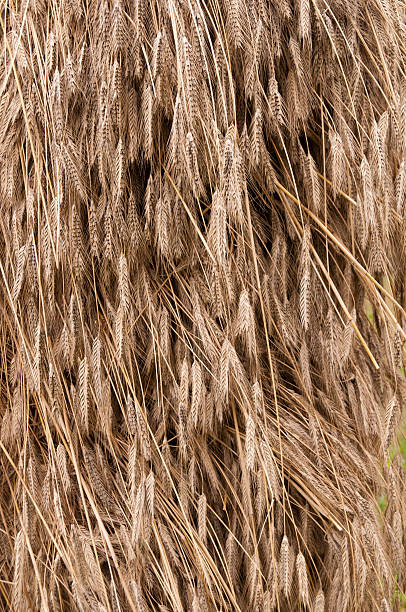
(202, 326)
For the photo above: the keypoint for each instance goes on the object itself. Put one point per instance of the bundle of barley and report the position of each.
(202, 260)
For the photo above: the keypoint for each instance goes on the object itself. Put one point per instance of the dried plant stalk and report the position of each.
(202, 255)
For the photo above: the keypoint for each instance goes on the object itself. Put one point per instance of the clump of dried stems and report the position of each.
(200, 202)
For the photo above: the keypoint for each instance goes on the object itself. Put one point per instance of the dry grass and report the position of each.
(196, 201)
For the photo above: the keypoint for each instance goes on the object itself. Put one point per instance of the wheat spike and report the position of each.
(202, 305)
